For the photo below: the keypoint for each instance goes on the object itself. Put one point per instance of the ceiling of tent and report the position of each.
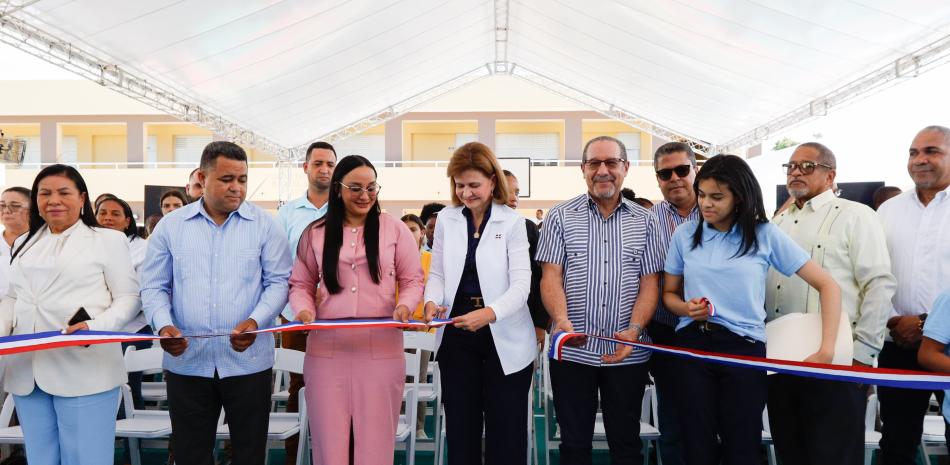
(292, 70)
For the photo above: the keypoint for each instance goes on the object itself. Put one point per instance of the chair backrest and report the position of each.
(143, 360)
(288, 360)
(870, 413)
(648, 412)
(6, 413)
(412, 365)
(418, 340)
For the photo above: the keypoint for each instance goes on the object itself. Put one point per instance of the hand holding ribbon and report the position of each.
(172, 341)
(242, 336)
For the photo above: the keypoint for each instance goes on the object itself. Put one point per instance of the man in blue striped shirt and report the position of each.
(601, 260)
(218, 265)
(675, 165)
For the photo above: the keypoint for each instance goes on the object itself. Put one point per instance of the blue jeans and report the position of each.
(68, 430)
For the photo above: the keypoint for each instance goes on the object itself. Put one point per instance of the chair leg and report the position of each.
(924, 454)
(134, 451)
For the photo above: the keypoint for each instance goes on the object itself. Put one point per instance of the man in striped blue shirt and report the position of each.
(601, 258)
(675, 165)
(218, 265)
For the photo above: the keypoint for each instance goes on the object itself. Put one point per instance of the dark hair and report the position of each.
(192, 174)
(623, 148)
(670, 148)
(19, 190)
(131, 231)
(151, 222)
(429, 210)
(220, 148)
(628, 194)
(415, 219)
(749, 212)
(103, 198)
(509, 174)
(643, 202)
(319, 145)
(86, 215)
(173, 193)
(333, 223)
(882, 194)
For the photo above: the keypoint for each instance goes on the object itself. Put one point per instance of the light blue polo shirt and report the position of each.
(734, 284)
(937, 328)
(295, 216)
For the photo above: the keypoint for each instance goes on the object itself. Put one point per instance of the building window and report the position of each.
(464, 138)
(151, 152)
(69, 152)
(537, 146)
(631, 140)
(188, 148)
(31, 155)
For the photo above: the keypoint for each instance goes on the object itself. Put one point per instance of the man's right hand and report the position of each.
(173, 343)
(565, 325)
(906, 330)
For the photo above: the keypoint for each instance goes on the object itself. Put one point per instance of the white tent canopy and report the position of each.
(283, 72)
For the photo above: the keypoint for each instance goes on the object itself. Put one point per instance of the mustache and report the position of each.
(604, 178)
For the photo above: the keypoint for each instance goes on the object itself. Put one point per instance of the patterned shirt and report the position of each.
(669, 219)
(603, 261)
(205, 279)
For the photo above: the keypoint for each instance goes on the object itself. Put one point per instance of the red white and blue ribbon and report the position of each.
(710, 307)
(879, 376)
(55, 339)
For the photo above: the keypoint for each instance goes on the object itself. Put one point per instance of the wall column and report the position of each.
(135, 143)
(573, 135)
(393, 140)
(486, 131)
(50, 135)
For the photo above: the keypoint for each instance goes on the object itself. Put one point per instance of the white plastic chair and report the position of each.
(406, 428)
(428, 392)
(933, 441)
(767, 437)
(9, 434)
(147, 361)
(872, 438)
(140, 424)
(286, 361)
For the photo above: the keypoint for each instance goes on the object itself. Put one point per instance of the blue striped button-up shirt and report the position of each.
(602, 260)
(669, 219)
(205, 279)
(295, 217)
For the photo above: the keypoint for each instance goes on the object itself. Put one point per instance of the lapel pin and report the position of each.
(497, 236)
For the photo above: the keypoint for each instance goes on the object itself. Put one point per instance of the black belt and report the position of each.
(709, 327)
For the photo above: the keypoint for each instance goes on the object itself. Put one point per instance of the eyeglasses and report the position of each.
(806, 167)
(11, 207)
(681, 171)
(371, 190)
(612, 163)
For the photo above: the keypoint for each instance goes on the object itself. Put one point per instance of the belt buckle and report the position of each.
(477, 302)
(704, 326)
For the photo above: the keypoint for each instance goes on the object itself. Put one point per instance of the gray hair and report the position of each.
(825, 155)
(623, 148)
(943, 130)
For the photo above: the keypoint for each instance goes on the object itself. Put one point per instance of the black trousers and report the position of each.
(902, 410)
(575, 387)
(476, 394)
(666, 374)
(195, 403)
(816, 421)
(722, 402)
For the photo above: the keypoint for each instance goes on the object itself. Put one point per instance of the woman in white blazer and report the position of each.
(480, 277)
(67, 398)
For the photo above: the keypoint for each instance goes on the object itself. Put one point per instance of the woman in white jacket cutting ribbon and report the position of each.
(480, 277)
(67, 398)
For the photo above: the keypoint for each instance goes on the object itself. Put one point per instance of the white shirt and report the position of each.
(5, 252)
(918, 238)
(845, 239)
(137, 248)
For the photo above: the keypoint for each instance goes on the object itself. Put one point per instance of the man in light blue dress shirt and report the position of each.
(218, 265)
(295, 217)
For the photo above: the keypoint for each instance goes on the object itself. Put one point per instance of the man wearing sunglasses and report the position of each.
(817, 421)
(675, 165)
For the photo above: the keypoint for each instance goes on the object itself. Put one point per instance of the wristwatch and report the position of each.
(639, 330)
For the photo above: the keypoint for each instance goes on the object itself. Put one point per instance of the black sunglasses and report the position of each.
(681, 171)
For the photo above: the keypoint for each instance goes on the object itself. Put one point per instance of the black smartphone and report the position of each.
(79, 317)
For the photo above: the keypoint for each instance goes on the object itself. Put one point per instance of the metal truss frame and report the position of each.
(908, 66)
(609, 109)
(67, 55)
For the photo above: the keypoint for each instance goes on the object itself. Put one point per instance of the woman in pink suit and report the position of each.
(355, 377)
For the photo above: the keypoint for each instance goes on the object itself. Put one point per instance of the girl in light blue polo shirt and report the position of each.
(723, 259)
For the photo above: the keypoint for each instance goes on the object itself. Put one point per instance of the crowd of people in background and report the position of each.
(704, 268)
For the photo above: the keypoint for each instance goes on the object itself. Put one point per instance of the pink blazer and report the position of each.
(360, 297)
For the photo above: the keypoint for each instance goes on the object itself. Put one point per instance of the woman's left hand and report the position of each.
(822, 356)
(402, 313)
(474, 320)
(76, 327)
